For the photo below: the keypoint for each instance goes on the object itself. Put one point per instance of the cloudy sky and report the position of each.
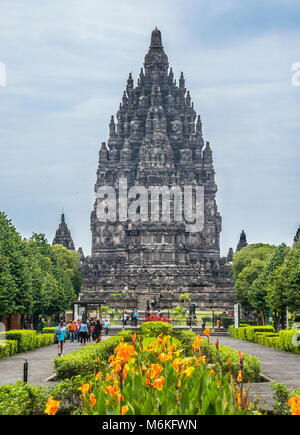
(67, 62)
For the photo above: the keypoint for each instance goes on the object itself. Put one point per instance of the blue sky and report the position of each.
(67, 62)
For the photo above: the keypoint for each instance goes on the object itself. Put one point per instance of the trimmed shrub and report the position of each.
(251, 364)
(128, 334)
(22, 399)
(48, 330)
(26, 339)
(8, 348)
(272, 341)
(251, 330)
(153, 329)
(285, 341)
(84, 361)
(44, 340)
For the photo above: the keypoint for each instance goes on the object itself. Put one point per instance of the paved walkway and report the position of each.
(276, 365)
(40, 364)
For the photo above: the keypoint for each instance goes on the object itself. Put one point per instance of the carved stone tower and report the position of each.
(156, 140)
(63, 235)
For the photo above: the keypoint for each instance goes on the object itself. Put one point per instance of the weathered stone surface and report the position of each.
(157, 141)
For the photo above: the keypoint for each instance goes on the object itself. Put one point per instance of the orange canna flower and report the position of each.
(107, 377)
(177, 364)
(92, 400)
(147, 382)
(294, 404)
(133, 338)
(52, 406)
(158, 383)
(207, 332)
(124, 409)
(112, 390)
(203, 359)
(211, 372)
(155, 370)
(84, 389)
(98, 375)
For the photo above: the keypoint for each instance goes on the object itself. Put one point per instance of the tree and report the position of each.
(247, 268)
(69, 260)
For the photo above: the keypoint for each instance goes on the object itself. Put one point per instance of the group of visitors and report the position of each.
(81, 331)
(134, 318)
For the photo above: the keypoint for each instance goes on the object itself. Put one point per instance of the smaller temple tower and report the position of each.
(297, 236)
(63, 235)
(242, 242)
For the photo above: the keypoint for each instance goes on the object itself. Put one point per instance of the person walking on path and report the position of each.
(83, 332)
(106, 326)
(71, 331)
(135, 318)
(60, 332)
(97, 331)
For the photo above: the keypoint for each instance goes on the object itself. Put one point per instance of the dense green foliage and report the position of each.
(268, 277)
(84, 361)
(23, 341)
(35, 277)
(153, 329)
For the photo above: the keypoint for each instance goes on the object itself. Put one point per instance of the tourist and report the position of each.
(83, 332)
(88, 323)
(135, 318)
(71, 331)
(132, 317)
(60, 332)
(77, 329)
(97, 331)
(106, 326)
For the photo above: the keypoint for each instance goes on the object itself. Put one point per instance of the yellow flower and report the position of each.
(51, 406)
(147, 382)
(124, 409)
(84, 389)
(188, 371)
(92, 400)
(98, 375)
(132, 361)
(240, 378)
(197, 343)
(211, 372)
(203, 359)
(107, 377)
(177, 364)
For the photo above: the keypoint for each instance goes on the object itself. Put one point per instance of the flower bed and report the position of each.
(140, 374)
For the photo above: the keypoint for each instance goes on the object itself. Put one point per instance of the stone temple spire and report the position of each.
(156, 59)
(242, 242)
(63, 235)
(297, 236)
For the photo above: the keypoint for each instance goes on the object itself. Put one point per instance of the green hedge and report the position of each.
(285, 341)
(26, 339)
(246, 332)
(23, 399)
(44, 340)
(252, 365)
(84, 361)
(8, 348)
(153, 329)
(48, 330)
(266, 336)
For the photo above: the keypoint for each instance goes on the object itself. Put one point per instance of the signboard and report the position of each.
(236, 315)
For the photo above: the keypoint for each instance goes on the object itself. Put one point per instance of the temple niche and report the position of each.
(156, 139)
